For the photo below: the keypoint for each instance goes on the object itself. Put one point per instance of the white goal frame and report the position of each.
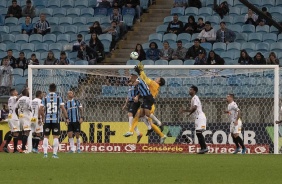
(101, 67)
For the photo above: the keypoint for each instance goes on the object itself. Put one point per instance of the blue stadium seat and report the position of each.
(27, 47)
(73, 12)
(170, 37)
(167, 20)
(105, 21)
(161, 62)
(128, 11)
(244, 10)
(35, 20)
(241, 37)
(194, 36)
(276, 47)
(168, 73)
(72, 29)
(4, 11)
(59, 12)
(184, 37)
(189, 62)
(128, 20)
(106, 45)
(183, 19)
(3, 47)
(4, 30)
(239, 20)
(72, 55)
(21, 20)
(148, 62)
(78, 21)
(100, 12)
(235, 28)
(16, 29)
(64, 21)
(175, 62)
(262, 29)
(14, 47)
(55, 47)
(234, 11)
(188, 82)
(108, 91)
(269, 38)
(177, 10)
(49, 38)
(207, 46)
(275, 11)
(155, 37)
(21, 38)
(255, 37)
(67, 3)
(107, 37)
(91, 20)
(54, 4)
(213, 19)
(39, 4)
(81, 62)
(209, 3)
(228, 20)
(205, 11)
(273, 30)
(145, 46)
(219, 47)
(188, 45)
(195, 72)
(132, 62)
(47, 11)
(18, 71)
(87, 38)
(278, 3)
(56, 30)
(53, 21)
(204, 81)
(8, 38)
(279, 38)
(174, 82)
(87, 12)
(92, 3)
(227, 72)
(192, 11)
(161, 29)
(3, 4)
(81, 4)
(219, 81)
(249, 46)
(121, 91)
(63, 38)
(262, 47)
(233, 46)
(11, 21)
(248, 28)
(228, 55)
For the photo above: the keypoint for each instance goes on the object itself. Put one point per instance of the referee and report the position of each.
(75, 114)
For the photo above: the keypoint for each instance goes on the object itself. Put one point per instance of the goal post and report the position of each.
(256, 88)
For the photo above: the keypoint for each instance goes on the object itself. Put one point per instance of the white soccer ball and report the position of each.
(134, 55)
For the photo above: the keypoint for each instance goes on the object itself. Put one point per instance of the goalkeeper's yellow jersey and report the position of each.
(153, 86)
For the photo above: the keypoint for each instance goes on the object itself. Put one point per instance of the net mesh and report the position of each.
(103, 93)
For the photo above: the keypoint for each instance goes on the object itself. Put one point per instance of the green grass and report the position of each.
(119, 168)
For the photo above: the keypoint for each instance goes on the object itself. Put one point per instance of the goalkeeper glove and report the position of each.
(136, 68)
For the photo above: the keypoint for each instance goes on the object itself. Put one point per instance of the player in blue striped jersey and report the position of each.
(75, 114)
(52, 104)
(133, 106)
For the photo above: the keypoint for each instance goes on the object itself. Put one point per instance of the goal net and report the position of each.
(103, 89)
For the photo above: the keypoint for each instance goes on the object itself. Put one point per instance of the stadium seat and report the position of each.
(248, 28)
(177, 10)
(188, 82)
(255, 37)
(21, 20)
(87, 38)
(73, 12)
(269, 38)
(108, 91)
(183, 19)
(64, 21)
(205, 11)
(234, 11)
(262, 47)
(233, 46)
(27, 47)
(14, 47)
(128, 11)
(219, 81)
(59, 12)
(209, 3)
(53, 21)
(161, 62)
(174, 82)
(87, 12)
(3, 47)
(3, 4)
(273, 30)
(227, 72)
(239, 20)
(262, 29)
(148, 62)
(72, 55)
(48, 12)
(49, 38)
(175, 62)
(207, 46)
(204, 81)
(275, 11)
(71, 29)
(83, 30)
(100, 12)
(67, 3)
(241, 37)
(91, 20)
(188, 45)
(63, 38)
(107, 37)
(55, 47)
(8, 38)
(105, 21)
(244, 10)
(35, 20)
(132, 62)
(249, 47)
(92, 3)
(81, 4)
(128, 20)
(54, 4)
(56, 30)
(21, 38)
(235, 28)
(4, 30)
(214, 20)
(279, 38)
(11, 21)
(219, 47)
(191, 11)
(195, 73)
(155, 37)
(227, 55)
(78, 21)
(81, 62)
(170, 37)
(276, 47)
(167, 73)
(189, 62)
(161, 29)
(39, 4)
(167, 20)
(18, 72)
(121, 91)
(228, 20)
(194, 36)
(184, 37)
(278, 3)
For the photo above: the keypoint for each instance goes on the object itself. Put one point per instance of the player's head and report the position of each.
(230, 97)
(25, 92)
(44, 94)
(52, 87)
(70, 94)
(5, 107)
(39, 94)
(133, 78)
(160, 81)
(13, 92)
(193, 90)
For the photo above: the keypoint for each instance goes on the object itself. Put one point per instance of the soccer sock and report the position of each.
(240, 141)
(157, 130)
(130, 120)
(148, 124)
(55, 146)
(24, 141)
(45, 145)
(236, 142)
(71, 144)
(15, 140)
(36, 143)
(77, 143)
(33, 142)
(137, 131)
(8, 141)
(134, 124)
(155, 119)
(201, 140)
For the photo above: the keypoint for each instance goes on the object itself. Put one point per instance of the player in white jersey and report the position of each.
(13, 121)
(36, 120)
(235, 123)
(200, 118)
(23, 110)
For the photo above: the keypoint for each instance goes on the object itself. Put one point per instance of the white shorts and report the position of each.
(25, 123)
(201, 122)
(14, 125)
(35, 127)
(236, 129)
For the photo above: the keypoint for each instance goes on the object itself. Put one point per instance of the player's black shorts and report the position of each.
(74, 127)
(55, 127)
(133, 107)
(148, 101)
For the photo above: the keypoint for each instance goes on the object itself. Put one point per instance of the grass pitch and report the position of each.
(122, 168)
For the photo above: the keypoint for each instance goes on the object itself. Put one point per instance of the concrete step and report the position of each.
(167, 11)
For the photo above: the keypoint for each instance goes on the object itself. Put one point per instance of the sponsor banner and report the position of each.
(155, 148)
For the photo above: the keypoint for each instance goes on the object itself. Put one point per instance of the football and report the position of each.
(134, 55)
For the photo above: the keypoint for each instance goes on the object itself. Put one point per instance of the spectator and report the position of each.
(191, 26)
(11, 58)
(95, 28)
(195, 3)
(76, 45)
(4, 112)
(104, 4)
(87, 53)
(33, 60)
(28, 10)
(175, 26)
(179, 3)
(42, 26)
(118, 4)
(51, 60)
(63, 59)
(193, 51)
(207, 34)
(179, 52)
(225, 35)
(139, 49)
(117, 17)
(97, 45)
(136, 5)
(14, 10)
(214, 59)
(261, 20)
(153, 53)
(259, 59)
(200, 25)
(251, 18)
(6, 74)
(166, 52)
(27, 27)
(21, 61)
(113, 30)
(201, 58)
(272, 59)
(244, 58)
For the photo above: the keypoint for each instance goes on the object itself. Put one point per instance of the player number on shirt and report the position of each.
(51, 108)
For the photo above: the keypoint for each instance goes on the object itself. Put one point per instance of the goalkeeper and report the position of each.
(154, 86)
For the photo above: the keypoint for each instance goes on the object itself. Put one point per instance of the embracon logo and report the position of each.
(130, 147)
(260, 149)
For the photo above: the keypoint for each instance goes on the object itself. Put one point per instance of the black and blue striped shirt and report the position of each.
(132, 93)
(143, 88)
(52, 103)
(72, 107)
